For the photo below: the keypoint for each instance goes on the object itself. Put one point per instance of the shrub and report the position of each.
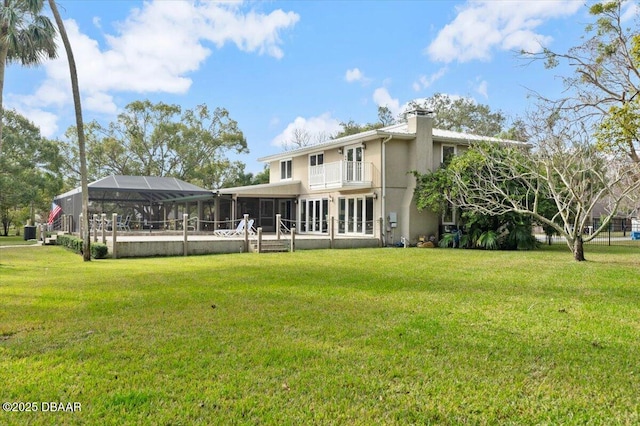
(70, 242)
(99, 250)
(448, 240)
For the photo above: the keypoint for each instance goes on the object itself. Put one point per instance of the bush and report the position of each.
(98, 250)
(70, 242)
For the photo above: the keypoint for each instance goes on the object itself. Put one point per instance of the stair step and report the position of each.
(51, 241)
(271, 247)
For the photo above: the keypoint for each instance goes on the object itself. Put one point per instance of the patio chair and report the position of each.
(239, 231)
(124, 226)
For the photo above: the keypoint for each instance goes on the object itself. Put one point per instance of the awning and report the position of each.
(285, 189)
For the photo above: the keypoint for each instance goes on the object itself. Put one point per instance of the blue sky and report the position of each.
(282, 65)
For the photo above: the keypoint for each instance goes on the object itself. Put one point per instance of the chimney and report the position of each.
(418, 115)
(420, 122)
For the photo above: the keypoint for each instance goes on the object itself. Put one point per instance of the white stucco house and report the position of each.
(361, 185)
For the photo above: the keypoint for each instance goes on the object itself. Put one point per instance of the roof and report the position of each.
(396, 131)
(285, 188)
(142, 189)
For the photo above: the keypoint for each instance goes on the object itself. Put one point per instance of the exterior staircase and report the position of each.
(51, 241)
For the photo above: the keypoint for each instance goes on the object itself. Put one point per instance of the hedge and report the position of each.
(98, 250)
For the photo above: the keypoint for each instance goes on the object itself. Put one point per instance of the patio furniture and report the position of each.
(239, 231)
(123, 226)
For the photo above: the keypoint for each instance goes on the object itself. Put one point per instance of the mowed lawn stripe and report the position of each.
(368, 336)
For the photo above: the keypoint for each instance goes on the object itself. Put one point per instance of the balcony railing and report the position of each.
(341, 174)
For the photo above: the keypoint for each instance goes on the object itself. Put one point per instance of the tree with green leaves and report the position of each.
(29, 171)
(163, 140)
(238, 177)
(385, 118)
(436, 191)
(26, 37)
(564, 168)
(462, 115)
(604, 88)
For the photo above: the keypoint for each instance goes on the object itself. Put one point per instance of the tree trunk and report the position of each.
(86, 241)
(4, 49)
(578, 249)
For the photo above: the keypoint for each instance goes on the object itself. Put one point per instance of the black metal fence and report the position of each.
(619, 232)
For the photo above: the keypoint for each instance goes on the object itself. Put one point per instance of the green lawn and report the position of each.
(15, 241)
(371, 336)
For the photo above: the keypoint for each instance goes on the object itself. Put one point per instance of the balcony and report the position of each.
(341, 174)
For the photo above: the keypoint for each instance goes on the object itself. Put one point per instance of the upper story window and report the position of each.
(316, 159)
(448, 152)
(285, 169)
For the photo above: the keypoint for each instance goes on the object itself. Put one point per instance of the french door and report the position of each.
(355, 215)
(313, 215)
(354, 156)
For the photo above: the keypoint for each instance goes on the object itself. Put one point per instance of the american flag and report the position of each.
(55, 211)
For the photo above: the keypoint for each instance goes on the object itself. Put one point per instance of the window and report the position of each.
(355, 215)
(316, 159)
(448, 152)
(285, 169)
(449, 215)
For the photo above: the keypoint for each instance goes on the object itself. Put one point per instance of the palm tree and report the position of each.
(26, 37)
(86, 249)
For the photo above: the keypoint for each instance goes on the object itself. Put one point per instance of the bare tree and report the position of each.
(605, 84)
(564, 167)
(301, 137)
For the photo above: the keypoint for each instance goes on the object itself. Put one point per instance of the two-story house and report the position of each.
(360, 184)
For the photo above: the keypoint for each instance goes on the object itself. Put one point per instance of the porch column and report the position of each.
(95, 228)
(260, 239)
(234, 203)
(331, 232)
(103, 227)
(185, 222)
(278, 219)
(114, 232)
(293, 239)
(246, 233)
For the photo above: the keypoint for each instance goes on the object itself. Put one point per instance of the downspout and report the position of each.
(384, 187)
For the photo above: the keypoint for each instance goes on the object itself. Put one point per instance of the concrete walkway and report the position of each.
(37, 244)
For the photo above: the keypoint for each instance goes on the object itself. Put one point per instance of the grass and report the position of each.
(375, 336)
(15, 241)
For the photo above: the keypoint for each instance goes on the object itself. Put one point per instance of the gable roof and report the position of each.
(397, 131)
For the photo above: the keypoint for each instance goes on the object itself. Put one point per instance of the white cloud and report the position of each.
(101, 102)
(322, 125)
(44, 120)
(484, 25)
(425, 81)
(382, 97)
(353, 75)
(630, 10)
(154, 50)
(482, 89)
